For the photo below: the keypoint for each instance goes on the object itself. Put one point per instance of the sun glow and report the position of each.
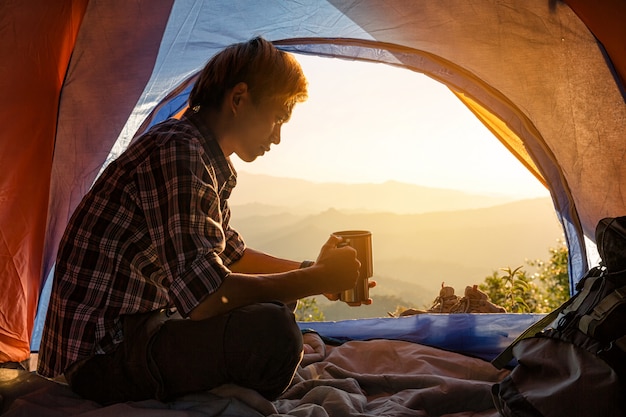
(370, 123)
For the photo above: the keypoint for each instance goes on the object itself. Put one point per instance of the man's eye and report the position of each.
(282, 118)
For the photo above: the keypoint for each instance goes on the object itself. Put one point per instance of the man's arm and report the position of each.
(256, 262)
(335, 270)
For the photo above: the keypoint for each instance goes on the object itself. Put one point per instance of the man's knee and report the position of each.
(270, 325)
(263, 347)
(279, 318)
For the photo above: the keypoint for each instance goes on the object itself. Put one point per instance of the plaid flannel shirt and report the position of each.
(152, 233)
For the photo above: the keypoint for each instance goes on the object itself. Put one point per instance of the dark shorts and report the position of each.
(163, 357)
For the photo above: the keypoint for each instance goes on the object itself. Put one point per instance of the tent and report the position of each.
(80, 78)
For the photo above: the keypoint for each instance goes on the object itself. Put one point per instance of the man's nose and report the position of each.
(276, 134)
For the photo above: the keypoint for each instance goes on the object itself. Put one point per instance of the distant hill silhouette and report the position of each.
(413, 253)
(390, 196)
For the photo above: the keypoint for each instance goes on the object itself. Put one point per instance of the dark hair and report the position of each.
(270, 74)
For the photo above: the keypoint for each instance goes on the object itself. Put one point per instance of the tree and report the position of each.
(515, 290)
(308, 310)
(553, 278)
(542, 292)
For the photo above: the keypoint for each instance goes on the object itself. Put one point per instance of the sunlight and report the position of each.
(370, 123)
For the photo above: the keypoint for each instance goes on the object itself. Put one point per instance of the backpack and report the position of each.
(576, 367)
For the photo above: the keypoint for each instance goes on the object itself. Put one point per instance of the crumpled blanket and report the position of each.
(390, 378)
(357, 378)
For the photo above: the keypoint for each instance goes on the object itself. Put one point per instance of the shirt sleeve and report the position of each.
(179, 194)
(235, 244)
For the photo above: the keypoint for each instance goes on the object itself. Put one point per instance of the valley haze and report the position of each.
(421, 236)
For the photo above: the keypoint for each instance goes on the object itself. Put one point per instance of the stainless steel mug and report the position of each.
(361, 241)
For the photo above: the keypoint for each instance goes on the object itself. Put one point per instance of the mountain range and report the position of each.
(450, 236)
(391, 196)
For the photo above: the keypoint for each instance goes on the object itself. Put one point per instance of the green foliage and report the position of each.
(514, 290)
(553, 278)
(308, 310)
(542, 292)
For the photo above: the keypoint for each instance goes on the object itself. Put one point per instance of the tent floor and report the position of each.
(15, 383)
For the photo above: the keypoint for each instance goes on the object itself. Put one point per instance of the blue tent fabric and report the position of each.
(479, 335)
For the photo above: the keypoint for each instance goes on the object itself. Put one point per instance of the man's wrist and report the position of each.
(306, 264)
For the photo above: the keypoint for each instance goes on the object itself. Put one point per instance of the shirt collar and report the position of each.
(225, 172)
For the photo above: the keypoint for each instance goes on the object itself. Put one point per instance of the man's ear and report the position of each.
(239, 91)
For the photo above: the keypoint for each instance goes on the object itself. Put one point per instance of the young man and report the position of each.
(154, 294)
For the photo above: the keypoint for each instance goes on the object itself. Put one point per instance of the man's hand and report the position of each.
(341, 268)
(335, 297)
(327, 248)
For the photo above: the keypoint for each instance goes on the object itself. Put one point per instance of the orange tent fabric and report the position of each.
(39, 40)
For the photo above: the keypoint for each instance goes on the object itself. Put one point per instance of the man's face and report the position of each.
(258, 127)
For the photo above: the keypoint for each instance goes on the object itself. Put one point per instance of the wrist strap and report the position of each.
(306, 264)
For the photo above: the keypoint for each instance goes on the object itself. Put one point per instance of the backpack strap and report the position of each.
(588, 283)
(589, 322)
(507, 354)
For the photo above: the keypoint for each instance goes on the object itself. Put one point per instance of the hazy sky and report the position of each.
(373, 122)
